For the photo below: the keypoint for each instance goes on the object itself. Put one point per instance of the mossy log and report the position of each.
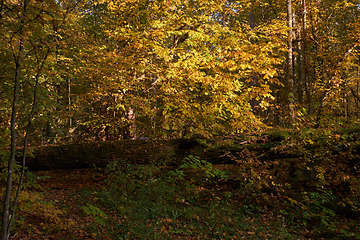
(169, 152)
(99, 154)
(227, 150)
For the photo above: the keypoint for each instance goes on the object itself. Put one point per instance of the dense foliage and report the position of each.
(112, 70)
(78, 71)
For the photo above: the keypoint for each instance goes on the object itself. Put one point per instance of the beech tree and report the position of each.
(185, 68)
(188, 68)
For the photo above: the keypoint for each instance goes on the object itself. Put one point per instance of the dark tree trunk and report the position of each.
(5, 227)
(291, 74)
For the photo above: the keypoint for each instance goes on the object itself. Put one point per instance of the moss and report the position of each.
(351, 130)
(278, 136)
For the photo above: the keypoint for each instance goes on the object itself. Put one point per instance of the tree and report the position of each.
(320, 44)
(183, 67)
(19, 55)
(176, 69)
(29, 34)
(331, 48)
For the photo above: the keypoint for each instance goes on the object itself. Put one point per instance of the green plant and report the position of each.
(312, 212)
(152, 202)
(95, 212)
(32, 180)
(210, 173)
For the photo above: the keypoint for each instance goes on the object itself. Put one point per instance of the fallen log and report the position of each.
(100, 154)
(166, 152)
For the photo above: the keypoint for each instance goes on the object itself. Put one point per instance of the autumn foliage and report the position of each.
(89, 71)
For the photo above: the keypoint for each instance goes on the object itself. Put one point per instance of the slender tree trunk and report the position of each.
(69, 101)
(304, 74)
(70, 130)
(31, 115)
(253, 102)
(355, 95)
(5, 227)
(290, 47)
(301, 56)
(154, 118)
(296, 57)
(291, 62)
(7, 202)
(358, 84)
(1, 8)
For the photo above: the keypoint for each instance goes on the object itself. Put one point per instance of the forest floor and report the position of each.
(59, 207)
(268, 191)
(52, 207)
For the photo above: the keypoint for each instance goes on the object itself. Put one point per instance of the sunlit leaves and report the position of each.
(183, 62)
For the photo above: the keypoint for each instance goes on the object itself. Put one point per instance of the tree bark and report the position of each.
(31, 115)
(5, 227)
(301, 55)
(1, 8)
(291, 62)
(290, 47)
(254, 81)
(304, 75)
(100, 154)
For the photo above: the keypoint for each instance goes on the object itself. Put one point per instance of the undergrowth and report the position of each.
(146, 202)
(197, 201)
(302, 185)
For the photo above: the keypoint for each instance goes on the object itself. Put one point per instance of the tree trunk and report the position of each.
(303, 72)
(254, 81)
(41, 63)
(301, 54)
(1, 8)
(291, 62)
(100, 154)
(5, 227)
(290, 47)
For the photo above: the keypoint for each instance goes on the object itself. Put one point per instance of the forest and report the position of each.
(180, 119)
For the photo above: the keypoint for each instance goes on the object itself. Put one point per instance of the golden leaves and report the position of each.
(185, 61)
